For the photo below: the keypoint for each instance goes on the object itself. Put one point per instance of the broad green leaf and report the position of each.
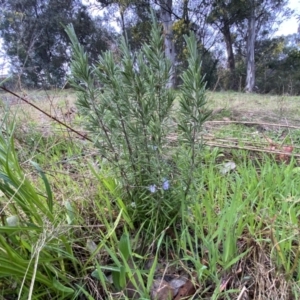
(124, 246)
(70, 214)
(116, 280)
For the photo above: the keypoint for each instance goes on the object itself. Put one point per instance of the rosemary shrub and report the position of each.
(129, 110)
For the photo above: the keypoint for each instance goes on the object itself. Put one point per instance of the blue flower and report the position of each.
(153, 147)
(152, 188)
(166, 184)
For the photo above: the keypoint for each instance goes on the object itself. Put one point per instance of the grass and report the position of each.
(66, 233)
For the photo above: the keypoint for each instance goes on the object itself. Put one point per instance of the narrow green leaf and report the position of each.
(62, 288)
(122, 279)
(47, 186)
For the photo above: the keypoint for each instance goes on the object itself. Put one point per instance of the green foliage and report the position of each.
(209, 63)
(253, 203)
(35, 40)
(231, 222)
(231, 19)
(130, 116)
(192, 112)
(139, 30)
(277, 63)
(227, 13)
(128, 273)
(139, 34)
(180, 29)
(35, 251)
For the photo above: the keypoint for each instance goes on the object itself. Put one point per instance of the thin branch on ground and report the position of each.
(45, 113)
(253, 123)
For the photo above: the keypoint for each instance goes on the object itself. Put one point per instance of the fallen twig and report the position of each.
(251, 149)
(252, 123)
(45, 113)
(244, 289)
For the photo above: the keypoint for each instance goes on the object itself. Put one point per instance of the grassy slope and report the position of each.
(240, 237)
(252, 106)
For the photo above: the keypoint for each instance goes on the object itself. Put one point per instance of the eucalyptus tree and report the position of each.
(250, 78)
(167, 23)
(132, 17)
(35, 40)
(243, 21)
(262, 15)
(223, 16)
(176, 17)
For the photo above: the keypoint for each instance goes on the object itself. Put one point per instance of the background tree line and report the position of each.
(235, 38)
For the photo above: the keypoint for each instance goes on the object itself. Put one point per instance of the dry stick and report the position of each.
(218, 143)
(233, 140)
(216, 85)
(45, 113)
(244, 289)
(210, 137)
(252, 123)
(251, 149)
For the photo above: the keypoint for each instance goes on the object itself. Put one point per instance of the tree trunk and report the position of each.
(229, 48)
(166, 19)
(122, 9)
(250, 79)
(232, 84)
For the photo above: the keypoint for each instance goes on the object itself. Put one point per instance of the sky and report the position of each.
(289, 26)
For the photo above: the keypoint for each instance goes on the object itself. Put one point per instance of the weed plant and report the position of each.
(35, 251)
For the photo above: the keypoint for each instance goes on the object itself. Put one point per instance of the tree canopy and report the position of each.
(231, 36)
(36, 42)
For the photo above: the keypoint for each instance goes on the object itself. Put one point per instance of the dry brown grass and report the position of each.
(236, 106)
(254, 107)
(56, 102)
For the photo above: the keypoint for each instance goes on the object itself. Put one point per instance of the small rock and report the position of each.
(227, 167)
(161, 290)
(177, 283)
(185, 291)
